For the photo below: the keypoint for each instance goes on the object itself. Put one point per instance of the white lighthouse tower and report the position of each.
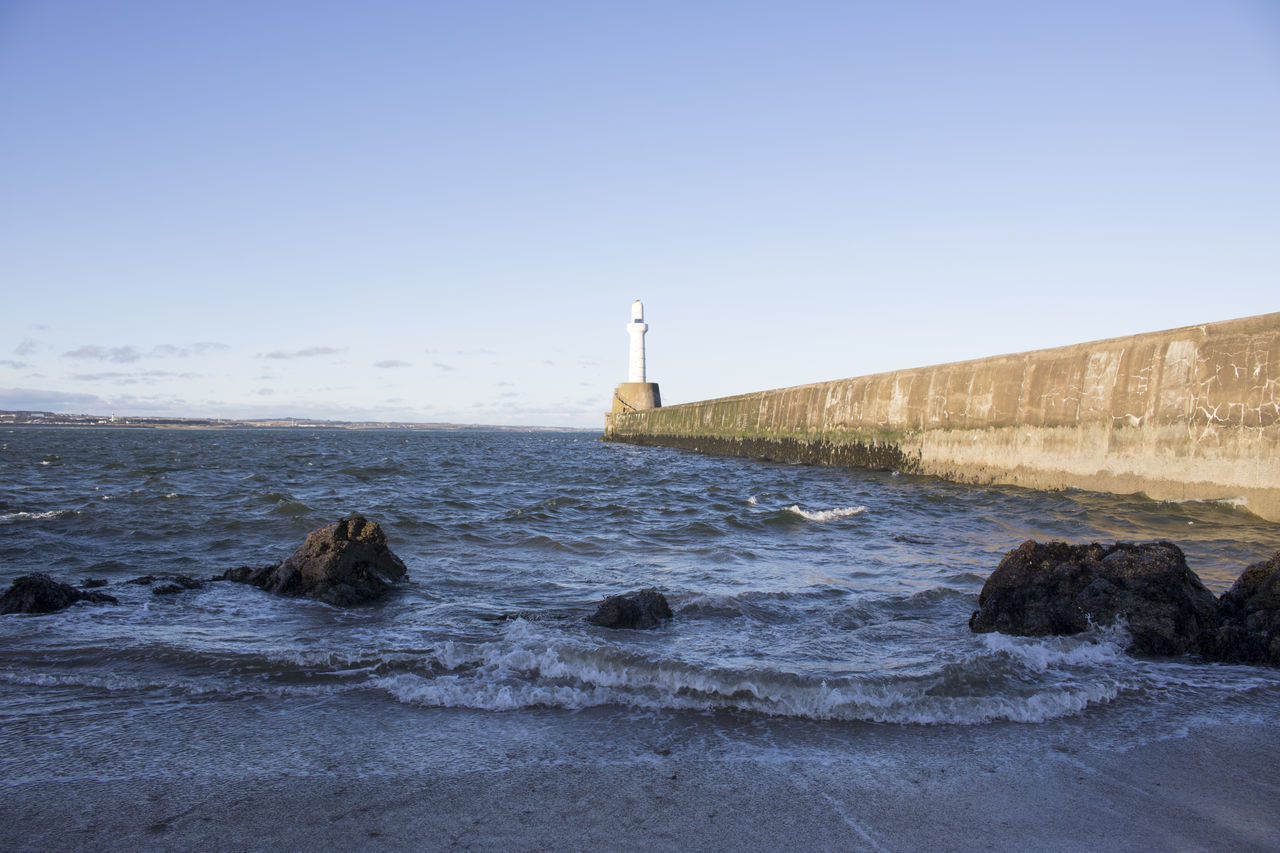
(636, 329)
(637, 393)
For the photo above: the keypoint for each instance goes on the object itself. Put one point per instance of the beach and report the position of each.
(882, 788)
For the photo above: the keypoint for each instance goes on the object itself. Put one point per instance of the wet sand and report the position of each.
(895, 788)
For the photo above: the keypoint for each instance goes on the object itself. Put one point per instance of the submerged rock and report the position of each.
(1059, 588)
(1250, 610)
(39, 593)
(644, 608)
(168, 584)
(346, 563)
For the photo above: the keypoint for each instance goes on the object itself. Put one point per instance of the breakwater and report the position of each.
(1185, 414)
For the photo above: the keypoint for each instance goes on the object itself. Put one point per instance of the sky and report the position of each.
(441, 211)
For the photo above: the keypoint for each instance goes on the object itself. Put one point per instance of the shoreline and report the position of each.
(663, 783)
(168, 424)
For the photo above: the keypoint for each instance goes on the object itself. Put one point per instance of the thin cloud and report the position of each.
(132, 378)
(27, 346)
(308, 352)
(41, 399)
(392, 363)
(198, 348)
(504, 384)
(442, 366)
(119, 355)
(15, 364)
(155, 403)
(99, 377)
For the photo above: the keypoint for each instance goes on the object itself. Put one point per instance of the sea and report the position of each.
(814, 607)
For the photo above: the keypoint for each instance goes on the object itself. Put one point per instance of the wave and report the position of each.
(189, 686)
(533, 667)
(825, 514)
(1230, 503)
(37, 516)
(536, 665)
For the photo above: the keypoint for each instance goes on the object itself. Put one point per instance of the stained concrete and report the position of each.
(636, 397)
(1185, 414)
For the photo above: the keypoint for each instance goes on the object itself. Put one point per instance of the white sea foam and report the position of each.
(1039, 654)
(31, 516)
(894, 703)
(535, 667)
(826, 514)
(1234, 503)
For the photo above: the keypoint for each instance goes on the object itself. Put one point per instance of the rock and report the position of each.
(168, 584)
(243, 574)
(93, 583)
(1058, 588)
(1250, 610)
(346, 563)
(641, 609)
(528, 616)
(39, 593)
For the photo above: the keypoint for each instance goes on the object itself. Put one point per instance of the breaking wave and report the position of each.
(531, 666)
(826, 514)
(36, 516)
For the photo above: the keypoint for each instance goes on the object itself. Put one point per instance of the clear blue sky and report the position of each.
(442, 211)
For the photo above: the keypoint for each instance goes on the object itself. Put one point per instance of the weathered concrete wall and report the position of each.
(1190, 413)
(636, 397)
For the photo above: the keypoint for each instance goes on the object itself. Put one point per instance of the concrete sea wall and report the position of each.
(1184, 414)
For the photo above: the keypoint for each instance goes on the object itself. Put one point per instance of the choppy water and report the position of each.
(823, 596)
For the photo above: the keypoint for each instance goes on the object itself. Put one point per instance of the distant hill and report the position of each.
(32, 418)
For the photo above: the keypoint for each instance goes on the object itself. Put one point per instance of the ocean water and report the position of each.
(812, 605)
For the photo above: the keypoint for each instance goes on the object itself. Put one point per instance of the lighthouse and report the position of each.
(636, 329)
(637, 393)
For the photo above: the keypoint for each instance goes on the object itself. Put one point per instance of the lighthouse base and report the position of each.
(636, 397)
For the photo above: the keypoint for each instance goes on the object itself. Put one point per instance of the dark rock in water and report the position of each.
(168, 584)
(243, 574)
(174, 585)
(1250, 629)
(1058, 588)
(346, 563)
(528, 616)
(641, 609)
(40, 593)
(93, 583)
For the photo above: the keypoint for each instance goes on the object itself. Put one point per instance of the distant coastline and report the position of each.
(37, 418)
